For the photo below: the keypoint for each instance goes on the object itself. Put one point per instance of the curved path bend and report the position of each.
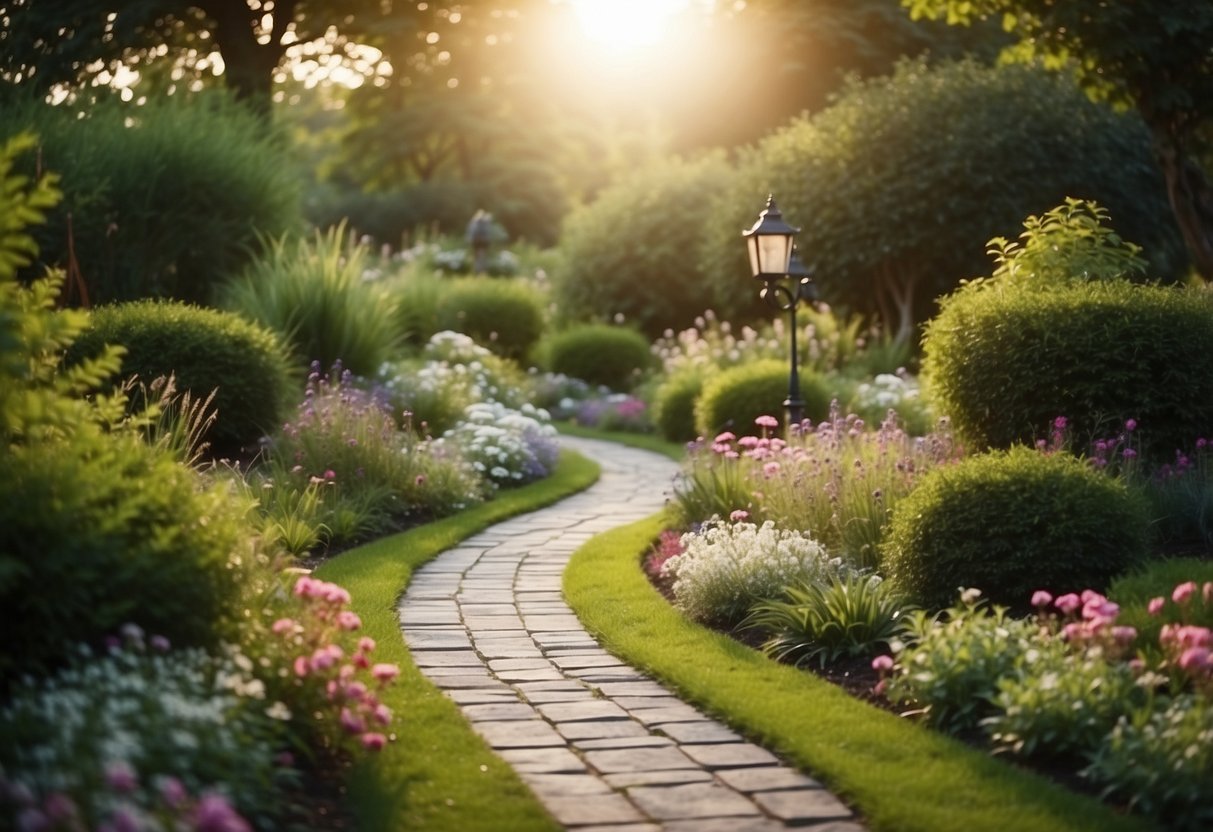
(602, 745)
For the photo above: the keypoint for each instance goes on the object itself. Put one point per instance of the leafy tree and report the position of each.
(900, 184)
(45, 43)
(1155, 55)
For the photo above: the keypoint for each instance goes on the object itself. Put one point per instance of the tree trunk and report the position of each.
(1191, 198)
(248, 65)
(895, 293)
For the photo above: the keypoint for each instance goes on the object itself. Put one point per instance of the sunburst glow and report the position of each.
(625, 24)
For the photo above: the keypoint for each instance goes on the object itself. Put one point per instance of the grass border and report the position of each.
(899, 775)
(438, 774)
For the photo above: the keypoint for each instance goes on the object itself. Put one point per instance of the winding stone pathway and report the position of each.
(603, 746)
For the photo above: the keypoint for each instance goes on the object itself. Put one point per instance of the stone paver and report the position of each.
(603, 746)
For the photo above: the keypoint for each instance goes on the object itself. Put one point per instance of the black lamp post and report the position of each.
(786, 282)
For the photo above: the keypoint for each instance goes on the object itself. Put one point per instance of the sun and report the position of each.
(625, 25)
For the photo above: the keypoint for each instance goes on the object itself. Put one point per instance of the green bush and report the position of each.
(674, 405)
(165, 199)
(504, 315)
(625, 254)
(1009, 523)
(1158, 579)
(205, 350)
(598, 354)
(312, 293)
(734, 398)
(97, 531)
(882, 154)
(1005, 359)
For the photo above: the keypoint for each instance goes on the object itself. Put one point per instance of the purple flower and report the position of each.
(215, 814)
(1130, 425)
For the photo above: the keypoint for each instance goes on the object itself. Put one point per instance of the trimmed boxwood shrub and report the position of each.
(674, 405)
(206, 350)
(1009, 523)
(734, 398)
(504, 315)
(1006, 358)
(597, 353)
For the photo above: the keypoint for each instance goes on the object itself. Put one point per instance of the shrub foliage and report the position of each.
(734, 398)
(1009, 523)
(204, 350)
(597, 353)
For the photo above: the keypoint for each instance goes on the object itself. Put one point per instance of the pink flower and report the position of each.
(283, 625)
(1073, 632)
(330, 474)
(1156, 604)
(722, 438)
(1060, 423)
(160, 644)
(355, 690)
(120, 777)
(1100, 610)
(767, 422)
(1068, 603)
(172, 792)
(347, 620)
(214, 814)
(1130, 425)
(302, 666)
(1183, 592)
(303, 586)
(322, 659)
(1124, 635)
(882, 664)
(739, 515)
(1041, 598)
(373, 741)
(352, 722)
(1195, 658)
(383, 714)
(770, 469)
(1206, 592)
(366, 644)
(385, 672)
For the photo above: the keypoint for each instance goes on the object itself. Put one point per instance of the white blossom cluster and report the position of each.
(182, 714)
(506, 446)
(886, 391)
(726, 568)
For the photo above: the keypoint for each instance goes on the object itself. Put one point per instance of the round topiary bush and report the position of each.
(734, 398)
(504, 315)
(674, 406)
(1004, 359)
(100, 530)
(205, 350)
(597, 353)
(1010, 523)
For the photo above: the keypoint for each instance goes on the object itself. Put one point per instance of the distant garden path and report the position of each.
(600, 743)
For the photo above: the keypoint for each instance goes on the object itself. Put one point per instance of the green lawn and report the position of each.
(899, 776)
(437, 775)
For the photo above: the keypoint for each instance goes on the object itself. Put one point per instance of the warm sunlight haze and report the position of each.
(625, 24)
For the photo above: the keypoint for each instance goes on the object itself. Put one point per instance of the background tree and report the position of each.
(1155, 55)
(900, 184)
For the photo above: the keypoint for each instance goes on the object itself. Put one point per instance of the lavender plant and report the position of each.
(837, 480)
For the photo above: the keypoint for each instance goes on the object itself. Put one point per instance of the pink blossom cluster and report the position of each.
(349, 678)
(1089, 620)
(669, 545)
(170, 802)
(1187, 647)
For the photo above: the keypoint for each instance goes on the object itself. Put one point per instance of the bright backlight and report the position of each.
(625, 24)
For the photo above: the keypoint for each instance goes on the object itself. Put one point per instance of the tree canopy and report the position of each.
(1154, 55)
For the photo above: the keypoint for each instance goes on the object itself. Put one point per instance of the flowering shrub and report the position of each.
(341, 437)
(950, 665)
(455, 373)
(616, 411)
(668, 545)
(838, 479)
(1069, 682)
(325, 671)
(143, 737)
(726, 568)
(506, 446)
